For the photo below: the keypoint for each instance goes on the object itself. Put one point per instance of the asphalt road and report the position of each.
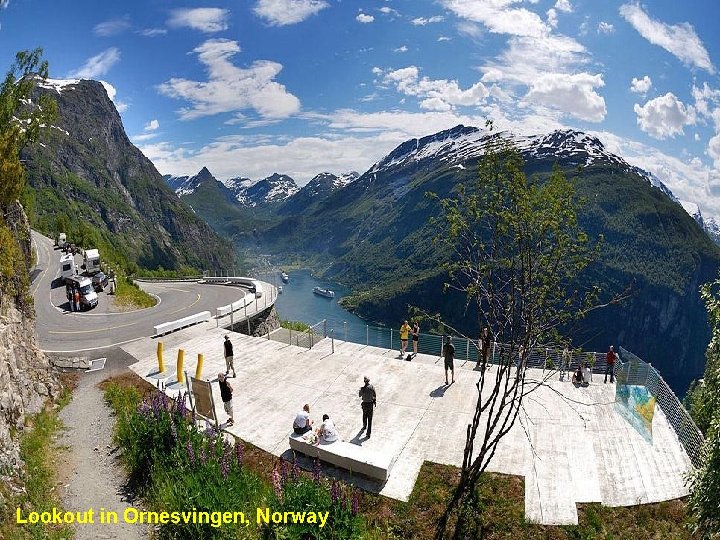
(60, 330)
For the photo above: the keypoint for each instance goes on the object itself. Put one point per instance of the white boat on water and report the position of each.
(280, 289)
(324, 292)
(284, 277)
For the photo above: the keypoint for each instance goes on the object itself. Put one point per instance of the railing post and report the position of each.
(332, 340)
(345, 327)
(232, 319)
(325, 328)
(367, 335)
(391, 335)
(467, 350)
(492, 361)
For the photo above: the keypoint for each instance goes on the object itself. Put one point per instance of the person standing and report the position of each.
(610, 358)
(486, 342)
(404, 332)
(415, 336)
(76, 300)
(449, 355)
(229, 356)
(369, 401)
(226, 392)
(565, 362)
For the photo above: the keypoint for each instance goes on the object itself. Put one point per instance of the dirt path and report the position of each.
(92, 476)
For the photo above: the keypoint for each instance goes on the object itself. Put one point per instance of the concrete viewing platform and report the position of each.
(570, 444)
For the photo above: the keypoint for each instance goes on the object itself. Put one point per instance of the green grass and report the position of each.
(39, 452)
(295, 325)
(129, 295)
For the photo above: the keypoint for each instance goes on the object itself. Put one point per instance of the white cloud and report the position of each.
(573, 94)
(4, 3)
(688, 180)
(714, 150)
(564, 5)
(230, 88)
(97, 65)
(112, 27)
(435, 95)
(284, 12)
(605, 28)
(401, 49)
(422, 21)
(705, 97)
(552, 18)
(664, 116)
(641, 86)
(470, 29)
(389, 11)
(153, 32)
(152, 125)
(144, 137)
(112, 92)
(498, 16)
(443, 38)
(208, 20)
(364, 18)
(678, 39)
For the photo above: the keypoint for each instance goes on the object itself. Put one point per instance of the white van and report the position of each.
(67, 267)
(88, 296)
(92, 261)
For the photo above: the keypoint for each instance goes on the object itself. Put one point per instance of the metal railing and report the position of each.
(644, 374)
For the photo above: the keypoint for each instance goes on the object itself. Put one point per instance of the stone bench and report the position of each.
(346, 455)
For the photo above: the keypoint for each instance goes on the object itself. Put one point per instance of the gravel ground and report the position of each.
(92, 475)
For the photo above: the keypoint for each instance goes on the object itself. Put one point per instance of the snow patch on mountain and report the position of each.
(58, 85)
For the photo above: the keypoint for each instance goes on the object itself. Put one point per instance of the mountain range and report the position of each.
(373, 234)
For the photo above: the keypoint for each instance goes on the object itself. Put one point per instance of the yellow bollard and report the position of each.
(161, 364)
(180, 360)
(198, 370)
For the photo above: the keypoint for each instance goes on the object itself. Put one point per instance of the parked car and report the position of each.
(99, 281)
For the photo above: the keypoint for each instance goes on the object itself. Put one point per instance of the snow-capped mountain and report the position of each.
(708, 224)
(316, 190)
(273, 189)
(185, 185)
(461, 146)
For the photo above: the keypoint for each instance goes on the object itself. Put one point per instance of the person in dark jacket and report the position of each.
(449, 355)
(226, 395)
(229, 357)
(369, 400)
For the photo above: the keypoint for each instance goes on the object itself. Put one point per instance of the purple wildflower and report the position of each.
(355, 506)
(225, 464)
(203, 455)
(173, 430)
(277, 483)
(316, 472)
(335, 491)
(239, 453)
(295, 471)
(283, 472)
(190, 452)
(180, 404)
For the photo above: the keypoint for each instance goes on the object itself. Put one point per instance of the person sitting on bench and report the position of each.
(578, 376)
(302, 423)
(327, 432)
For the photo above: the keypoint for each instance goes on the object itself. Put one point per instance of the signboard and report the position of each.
(203, 399)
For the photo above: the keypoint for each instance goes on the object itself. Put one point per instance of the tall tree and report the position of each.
(20, 122)
(517, 249)
(705, 409)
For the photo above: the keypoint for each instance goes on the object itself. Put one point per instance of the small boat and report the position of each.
(280, 289)
(284, 277)
(324, 292)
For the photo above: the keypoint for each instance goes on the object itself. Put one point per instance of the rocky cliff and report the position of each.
(27, 381)
(87, 179)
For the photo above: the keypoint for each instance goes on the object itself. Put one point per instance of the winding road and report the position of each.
(60, 330)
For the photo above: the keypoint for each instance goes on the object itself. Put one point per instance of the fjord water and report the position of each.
(297, 302)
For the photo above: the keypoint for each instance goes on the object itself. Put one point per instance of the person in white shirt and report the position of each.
(327, 432)
(302, 423)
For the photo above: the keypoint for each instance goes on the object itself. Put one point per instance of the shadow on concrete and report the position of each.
(439, 391)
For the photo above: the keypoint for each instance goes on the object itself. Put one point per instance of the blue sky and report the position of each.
(252, 87)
